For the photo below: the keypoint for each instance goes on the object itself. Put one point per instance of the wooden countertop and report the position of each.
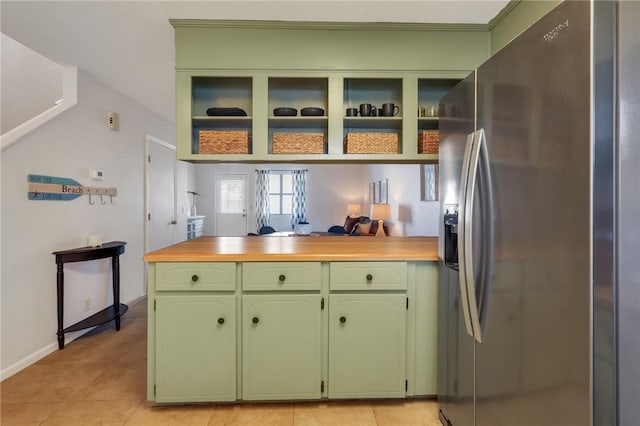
(298, 248)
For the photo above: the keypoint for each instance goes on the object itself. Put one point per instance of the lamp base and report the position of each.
(380, 232)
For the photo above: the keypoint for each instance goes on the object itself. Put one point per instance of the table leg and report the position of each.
(115, 266)
(60, 293)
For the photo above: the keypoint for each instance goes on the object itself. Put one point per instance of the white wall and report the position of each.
(68, 146)
(31, 83)
(409, 215)
(331, 187)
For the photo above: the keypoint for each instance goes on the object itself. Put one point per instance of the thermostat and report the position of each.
(97, 174)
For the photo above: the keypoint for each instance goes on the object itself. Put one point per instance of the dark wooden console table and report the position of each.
(111, 249)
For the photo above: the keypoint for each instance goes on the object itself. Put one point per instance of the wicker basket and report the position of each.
(298, 143)
(371, 143)
(223, 142)
(428, 142)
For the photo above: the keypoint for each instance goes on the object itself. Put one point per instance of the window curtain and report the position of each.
(262, 198)
(299, 202)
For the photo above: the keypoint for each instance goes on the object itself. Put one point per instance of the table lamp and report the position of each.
(380, 212)
(353, 210)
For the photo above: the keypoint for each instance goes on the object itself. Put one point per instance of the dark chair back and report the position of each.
(266, 230)
(336, 229)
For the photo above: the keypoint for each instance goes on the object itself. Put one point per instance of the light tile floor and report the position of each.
(100, 379)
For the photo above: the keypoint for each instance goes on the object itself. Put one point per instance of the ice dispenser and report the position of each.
(451, 236)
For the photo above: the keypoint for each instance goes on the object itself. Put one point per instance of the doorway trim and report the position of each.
(149, 140)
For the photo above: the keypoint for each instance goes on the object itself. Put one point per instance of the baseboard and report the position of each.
(52, 347)
(28, 360)
(136, 300)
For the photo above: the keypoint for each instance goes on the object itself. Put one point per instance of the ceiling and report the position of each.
(128, 45)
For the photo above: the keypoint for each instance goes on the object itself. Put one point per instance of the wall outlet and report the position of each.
(87, 304)
(112, 121)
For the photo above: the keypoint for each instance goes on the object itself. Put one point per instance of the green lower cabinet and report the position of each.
(367, 345)
(281, 347)
(195, 348)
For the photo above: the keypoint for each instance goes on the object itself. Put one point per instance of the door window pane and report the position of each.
(231, 196)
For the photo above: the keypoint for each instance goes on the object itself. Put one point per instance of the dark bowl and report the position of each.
(285, 111)
(314, 111)
(222, 112)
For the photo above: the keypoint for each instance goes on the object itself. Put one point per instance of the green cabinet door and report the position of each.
(281, 353)
(367, 345)
(195, 348)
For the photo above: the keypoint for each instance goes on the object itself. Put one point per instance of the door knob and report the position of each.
(343, 320)
(255, 320)
(220, 321)
(369, 277)
(281, 278)
(194, 278)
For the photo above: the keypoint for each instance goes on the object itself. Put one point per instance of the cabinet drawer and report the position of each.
(368, 276)
(258, 276)
(198, 276)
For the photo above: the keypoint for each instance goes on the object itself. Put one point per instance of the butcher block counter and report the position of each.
(273, 318)
(298, 248)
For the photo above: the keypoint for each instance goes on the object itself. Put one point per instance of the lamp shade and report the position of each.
(354, 210)
(381, 211)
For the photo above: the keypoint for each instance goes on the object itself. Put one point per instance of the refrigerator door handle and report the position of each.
(468, 259)
(462, 235)
(479, 182)
(487, 243)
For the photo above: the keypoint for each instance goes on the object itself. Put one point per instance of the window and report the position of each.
(280, 193)
(231, 198)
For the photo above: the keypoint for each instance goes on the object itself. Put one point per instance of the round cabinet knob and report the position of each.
(282, 278)
(255, 320)
(220, 321)
(194, 278)
(369, 277)
(343, 320)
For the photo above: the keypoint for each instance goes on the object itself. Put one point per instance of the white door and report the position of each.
(161, 195)
(231, 204)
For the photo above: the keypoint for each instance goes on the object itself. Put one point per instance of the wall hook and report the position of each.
(90, 201)
(102, 200)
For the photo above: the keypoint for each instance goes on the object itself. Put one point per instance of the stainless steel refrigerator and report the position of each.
(539, 280)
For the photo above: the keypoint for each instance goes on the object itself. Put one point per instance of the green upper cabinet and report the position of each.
(319, 70)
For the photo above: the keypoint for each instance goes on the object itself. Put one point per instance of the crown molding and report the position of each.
(503, 13)
(300, 25)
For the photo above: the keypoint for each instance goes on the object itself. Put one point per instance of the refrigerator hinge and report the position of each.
(321, 386)
(148, 159)
(149, 216)
(406, 385)
(154, 390)
(322, 304)
(154, 304)
(407, 303)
